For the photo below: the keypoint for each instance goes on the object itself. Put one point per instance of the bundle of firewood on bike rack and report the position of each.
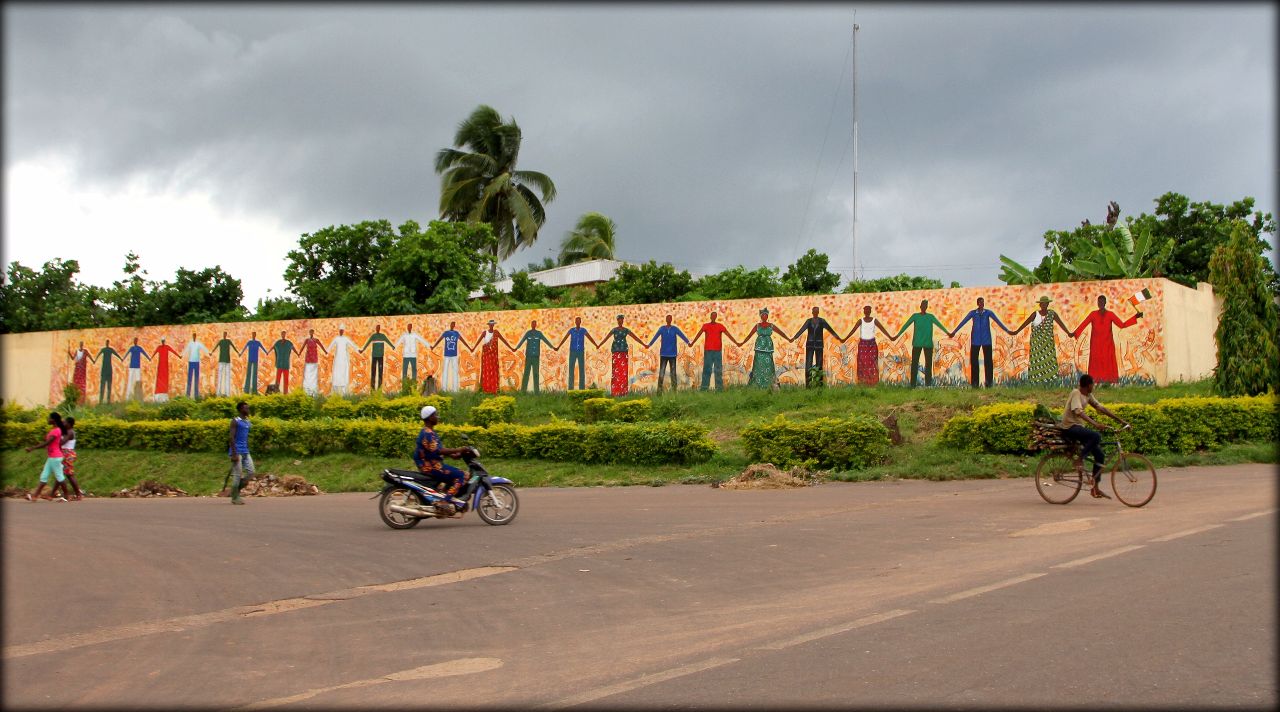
(1045, 433)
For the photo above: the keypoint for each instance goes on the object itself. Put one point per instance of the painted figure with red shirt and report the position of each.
(712, 356)
(311, 349)
(1102, 348)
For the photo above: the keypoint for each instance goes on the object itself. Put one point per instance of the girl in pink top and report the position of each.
(53, 464)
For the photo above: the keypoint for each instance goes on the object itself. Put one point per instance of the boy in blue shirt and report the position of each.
(238, 450)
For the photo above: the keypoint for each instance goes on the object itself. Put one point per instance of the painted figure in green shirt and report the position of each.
(104, 377)
(285, 350)
(922, 340)
(532, 354)
(378, 339)
(224, 349)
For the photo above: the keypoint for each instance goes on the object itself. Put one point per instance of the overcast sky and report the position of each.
(713, 135)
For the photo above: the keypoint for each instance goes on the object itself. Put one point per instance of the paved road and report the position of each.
(959, 594)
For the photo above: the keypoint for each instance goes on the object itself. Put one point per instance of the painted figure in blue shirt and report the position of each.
(667, 352)
(449, 367)
(251, 369)
(980, 340)
(132, 387)
(578, 336)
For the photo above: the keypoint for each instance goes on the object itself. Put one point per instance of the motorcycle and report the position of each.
(410, 496)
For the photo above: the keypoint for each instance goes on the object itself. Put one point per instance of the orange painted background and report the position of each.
(1140, 350)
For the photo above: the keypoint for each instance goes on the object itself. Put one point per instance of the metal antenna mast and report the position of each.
(855, 147)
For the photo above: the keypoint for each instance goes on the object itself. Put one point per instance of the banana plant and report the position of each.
(1116, 255)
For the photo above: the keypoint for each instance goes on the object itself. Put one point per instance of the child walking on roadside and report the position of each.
(53, 463)
(69, 462)
(241, 462)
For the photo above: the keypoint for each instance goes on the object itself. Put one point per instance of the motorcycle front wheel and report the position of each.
(499, 505)
(398, 496)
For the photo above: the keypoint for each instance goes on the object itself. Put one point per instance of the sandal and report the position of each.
(1099, 494)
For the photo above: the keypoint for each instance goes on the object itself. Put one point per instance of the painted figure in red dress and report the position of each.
(1102, 348)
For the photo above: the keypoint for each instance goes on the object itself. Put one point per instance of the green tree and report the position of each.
(130, 302)
(482, 184)
(432, 271)
(1248, 355)
(49, 299)
(1197, 229)
(1092, 253)
(897, 283)
(809, 275)
(648, 283)
(740, 283)
(331, 262)
(593, 238)
(196, 297)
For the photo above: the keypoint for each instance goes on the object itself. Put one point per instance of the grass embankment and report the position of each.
(920, 414)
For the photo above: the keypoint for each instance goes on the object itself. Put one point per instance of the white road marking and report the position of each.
(1263, 513)
(984, 589)
(643, 681)
(202, 620)
(836, 629)
(463, 666)
(1097, 557)
(1189, 532)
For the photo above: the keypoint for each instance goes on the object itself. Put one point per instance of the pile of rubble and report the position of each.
(767, 476)
(272, 486)
(151, 488)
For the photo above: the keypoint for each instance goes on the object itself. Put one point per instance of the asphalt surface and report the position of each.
(885, 594)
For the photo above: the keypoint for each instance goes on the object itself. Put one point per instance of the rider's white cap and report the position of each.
(428, 411)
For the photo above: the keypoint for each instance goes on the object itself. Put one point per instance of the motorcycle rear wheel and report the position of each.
(499, 505)
(403, 497)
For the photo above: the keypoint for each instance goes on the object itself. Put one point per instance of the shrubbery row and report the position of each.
(1178, 425)
(831, 443)
(645, 444)
(294, 406)
(599, 410)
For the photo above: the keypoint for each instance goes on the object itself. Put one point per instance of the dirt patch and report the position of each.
(14, 492)
(723, 435)
(151, 488)
(767, 476)
(273, 486)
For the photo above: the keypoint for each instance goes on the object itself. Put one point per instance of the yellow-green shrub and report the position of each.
(840, 443)
(490, 411)
(595, 410)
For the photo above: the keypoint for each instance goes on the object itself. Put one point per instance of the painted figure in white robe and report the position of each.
(340, 379)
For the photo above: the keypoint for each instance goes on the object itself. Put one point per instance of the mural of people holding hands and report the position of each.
(380, 342)
(1102, 347)
(532, 355)
(284, 350)
(489, 367)
(135, 353)
(80, 375)
(340, 378)
(194, 350)
(252, 347)
(311, 363)
(668, 350)
(763, 372)
(449, 366)
(408, 343)
(712, 351)
(162, 354)
(1043, 362)
(980, 340)
(106, 353)
(224, 348)
(621, 372)
(922, 323)
(578, 336)
(868, 351)
(813, 345)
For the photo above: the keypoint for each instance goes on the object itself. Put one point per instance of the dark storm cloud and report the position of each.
(697, 129)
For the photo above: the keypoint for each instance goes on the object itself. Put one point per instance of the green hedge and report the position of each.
(833, 443)
(600, 410)
(648, 443)
(490, 411)
(1174, 424)
(294, 406)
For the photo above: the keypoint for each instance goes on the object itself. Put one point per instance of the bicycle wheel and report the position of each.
(1133, 479)
(1057, 479)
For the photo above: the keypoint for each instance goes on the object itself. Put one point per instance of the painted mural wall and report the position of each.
(1053, 343)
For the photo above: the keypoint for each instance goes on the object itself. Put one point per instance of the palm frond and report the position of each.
(539, 180)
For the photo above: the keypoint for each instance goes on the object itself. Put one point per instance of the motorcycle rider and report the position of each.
(429, 454)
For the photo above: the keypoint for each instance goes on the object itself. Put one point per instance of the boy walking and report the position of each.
(241, 462)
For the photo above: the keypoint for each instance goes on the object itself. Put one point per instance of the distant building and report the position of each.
(579, 274)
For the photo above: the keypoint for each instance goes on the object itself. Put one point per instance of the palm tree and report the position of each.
(481, 184)
(592, 239)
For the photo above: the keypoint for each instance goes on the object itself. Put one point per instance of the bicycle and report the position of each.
(1060, 475)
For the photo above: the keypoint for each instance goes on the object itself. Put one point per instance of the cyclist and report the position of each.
(1073, 419)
